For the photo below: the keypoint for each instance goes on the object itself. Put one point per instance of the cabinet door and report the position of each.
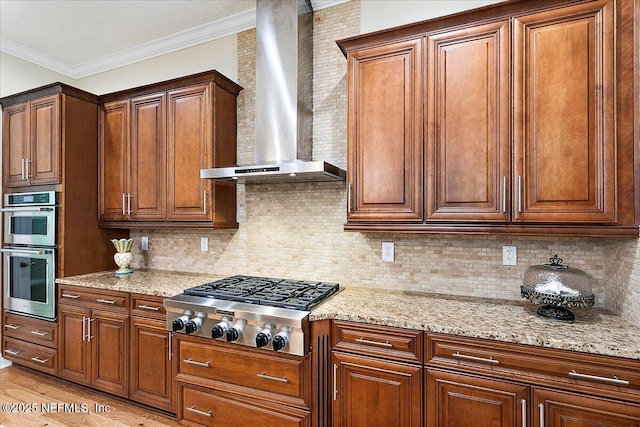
(564, 130)
(114, 161)
(468, 116)
(151, 375)
(190, 149)
(15, 144)
(147, 184)
(373, 392)
(457, 400)
(556, 408)
(385, 148)
(44, 163)
(109, 339)
(73, 351)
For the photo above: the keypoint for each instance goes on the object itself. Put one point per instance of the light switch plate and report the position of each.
(388, 250)
(144, 243)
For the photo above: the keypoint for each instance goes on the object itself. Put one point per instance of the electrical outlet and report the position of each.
(144, 243)
(204, 244)
(509, 255)
(387, 251)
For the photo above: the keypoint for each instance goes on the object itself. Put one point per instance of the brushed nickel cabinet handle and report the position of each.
(198, 411)
(269, 377)
(148, 307)
(40, 333)
(524, 412)
(204, 201)
(378, 343)
(475, 358)
(84, 328)
(614, 380)
(335, 380)
(349, 198)
(504, 194)
(519, 193)
(70, 296)
(123, 210)
(190, 361)
(37, 359)
(89, 336)
(129, 203)
(22, 169)
(170, 356)
(12, 326)
(541, 411)
(106, 301)
(28, 163)
(12, 352)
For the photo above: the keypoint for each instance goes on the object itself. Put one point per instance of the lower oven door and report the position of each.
(29, 281)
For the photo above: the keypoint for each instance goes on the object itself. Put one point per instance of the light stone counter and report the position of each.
(593, 331)
(148, 282)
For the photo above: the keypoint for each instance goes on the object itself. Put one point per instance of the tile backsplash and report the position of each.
(295, 230)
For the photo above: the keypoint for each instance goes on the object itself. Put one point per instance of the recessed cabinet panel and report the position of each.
(468, 124)
(15, 148)
(385, 133)
(44, 161)
(564, 131)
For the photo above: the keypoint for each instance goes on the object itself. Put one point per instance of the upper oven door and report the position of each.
(30, 225)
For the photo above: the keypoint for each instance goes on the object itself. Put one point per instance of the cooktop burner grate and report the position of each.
(284, 293)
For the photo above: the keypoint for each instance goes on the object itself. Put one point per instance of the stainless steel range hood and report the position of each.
(284, 74)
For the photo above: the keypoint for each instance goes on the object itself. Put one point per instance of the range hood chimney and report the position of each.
(284, 74)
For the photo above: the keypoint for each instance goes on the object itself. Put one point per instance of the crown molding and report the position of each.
(171, 43)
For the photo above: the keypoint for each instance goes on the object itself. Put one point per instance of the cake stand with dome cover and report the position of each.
(559, 288)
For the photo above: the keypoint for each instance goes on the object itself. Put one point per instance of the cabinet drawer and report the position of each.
(200, 406)
(93, 298)
(381, 341)
(29, 329)
(147, 306)
(270, 374)
(32, 355)
(539, 364)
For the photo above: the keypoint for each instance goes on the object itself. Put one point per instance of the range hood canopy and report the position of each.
(284, 74)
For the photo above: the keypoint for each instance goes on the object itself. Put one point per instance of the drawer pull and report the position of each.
(198, 411)
(106, 301)
(40, 334)
(378, 343)
(10, 326)
(12, 352)
(269, 377)
(190, 361)
(148, 307)
(70, 296)
(475, 359)
(37, 359)
(614, 380)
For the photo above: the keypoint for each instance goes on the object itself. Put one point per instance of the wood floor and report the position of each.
(30, 399)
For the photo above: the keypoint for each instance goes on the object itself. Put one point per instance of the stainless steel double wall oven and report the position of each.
(29, 253)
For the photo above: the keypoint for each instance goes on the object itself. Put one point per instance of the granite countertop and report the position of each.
(593, 331)
(148, 282)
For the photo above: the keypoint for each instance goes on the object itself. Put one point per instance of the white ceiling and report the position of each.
(79, 38)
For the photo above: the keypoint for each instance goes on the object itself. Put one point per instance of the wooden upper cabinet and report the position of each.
(467, 118)
(114, 144)
(154, 141)
(385, 132)
(564, 138)
(147, 157)
(32, 151)
(189, 150)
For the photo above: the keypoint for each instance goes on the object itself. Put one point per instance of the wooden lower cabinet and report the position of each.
(151, 376)
(374, 392)
(206, 407)
(553, 408)
(94, 348)
(458, 400)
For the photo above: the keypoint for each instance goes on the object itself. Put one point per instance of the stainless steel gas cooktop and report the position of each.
(262, 312)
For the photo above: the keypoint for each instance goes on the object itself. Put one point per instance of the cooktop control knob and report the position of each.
(281, 340)
(220, 329)
(193, 325)
(179, 323)
(235, 332)
(264, 337)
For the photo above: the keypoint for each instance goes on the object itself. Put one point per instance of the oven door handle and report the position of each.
(39, 209)
(27, 251)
